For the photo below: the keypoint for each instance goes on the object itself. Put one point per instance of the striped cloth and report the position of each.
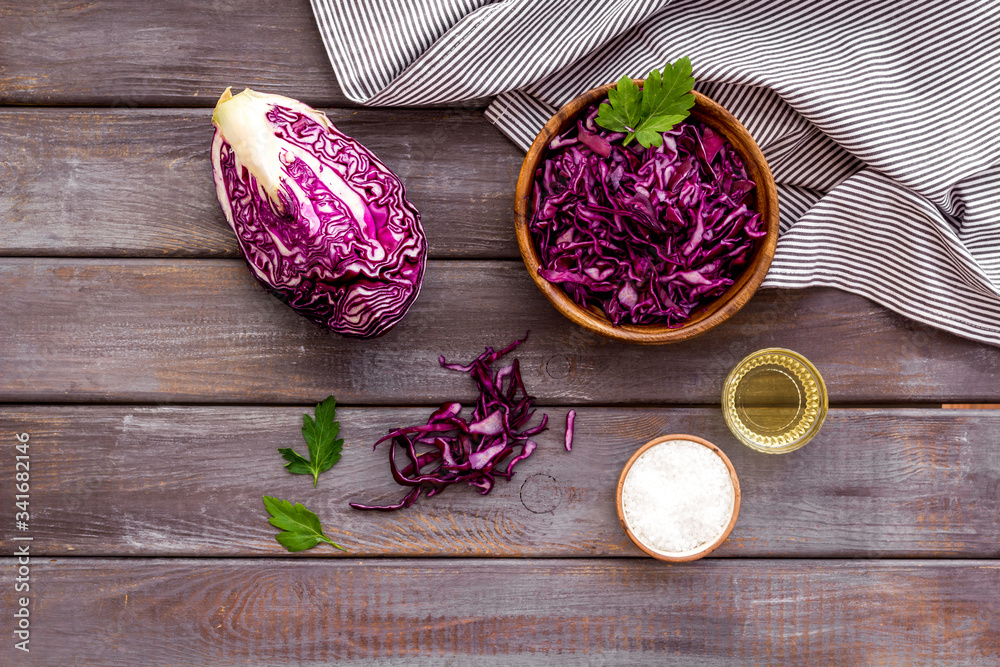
(880, 119)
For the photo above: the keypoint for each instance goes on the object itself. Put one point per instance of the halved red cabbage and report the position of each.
(323, 224)
(648, 235)
(449, 449)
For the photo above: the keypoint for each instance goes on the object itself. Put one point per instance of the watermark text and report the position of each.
(22, 551)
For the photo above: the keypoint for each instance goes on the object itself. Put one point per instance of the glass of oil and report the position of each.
(774, 401)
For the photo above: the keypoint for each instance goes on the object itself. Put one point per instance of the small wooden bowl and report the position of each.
(764, 198)
(684, 556)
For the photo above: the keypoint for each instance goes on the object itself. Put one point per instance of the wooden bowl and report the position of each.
(679, 557)
(764, 198)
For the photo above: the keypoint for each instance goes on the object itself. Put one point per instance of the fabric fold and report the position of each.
(880, 119)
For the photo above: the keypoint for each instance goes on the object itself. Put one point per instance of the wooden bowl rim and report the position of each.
(710, 316)
(708, 548)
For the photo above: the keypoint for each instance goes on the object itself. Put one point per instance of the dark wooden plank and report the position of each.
(203, 331)
(134, 182)
(189, 480)
(171, 52)
(133, 53)
(508, 612)
(167, 53)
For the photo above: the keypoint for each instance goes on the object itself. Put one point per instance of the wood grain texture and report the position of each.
(138, 183)
(168, 53)
(204, 331)
(489, 612)
(188, 481)
(133, 53)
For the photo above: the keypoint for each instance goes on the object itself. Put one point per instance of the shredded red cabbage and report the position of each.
(648, 235)
(570, 419)
(450, 450)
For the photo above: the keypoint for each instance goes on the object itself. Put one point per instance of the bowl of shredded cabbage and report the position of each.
(640, 234)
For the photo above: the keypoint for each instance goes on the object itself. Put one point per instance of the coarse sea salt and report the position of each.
(678, 496)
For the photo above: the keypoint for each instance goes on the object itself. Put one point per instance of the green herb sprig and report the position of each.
(301, 528)
(645, 113)
(321, 438)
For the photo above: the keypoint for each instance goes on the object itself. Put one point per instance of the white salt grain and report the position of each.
(678, 496)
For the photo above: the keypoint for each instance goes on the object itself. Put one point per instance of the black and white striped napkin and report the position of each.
(880, 119)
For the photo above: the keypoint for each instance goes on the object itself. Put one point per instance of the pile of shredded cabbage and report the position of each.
(647, 235)
(450, 449)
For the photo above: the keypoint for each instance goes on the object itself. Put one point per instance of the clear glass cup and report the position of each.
(774, 401)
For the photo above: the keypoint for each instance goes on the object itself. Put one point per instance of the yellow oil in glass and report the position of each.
(774, 401)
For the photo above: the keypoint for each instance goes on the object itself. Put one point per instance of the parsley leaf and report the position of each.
(301, 529)
(622, 114)
(664, 101)
(321, 437)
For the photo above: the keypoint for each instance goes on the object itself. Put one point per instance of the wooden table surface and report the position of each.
(156, 381)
